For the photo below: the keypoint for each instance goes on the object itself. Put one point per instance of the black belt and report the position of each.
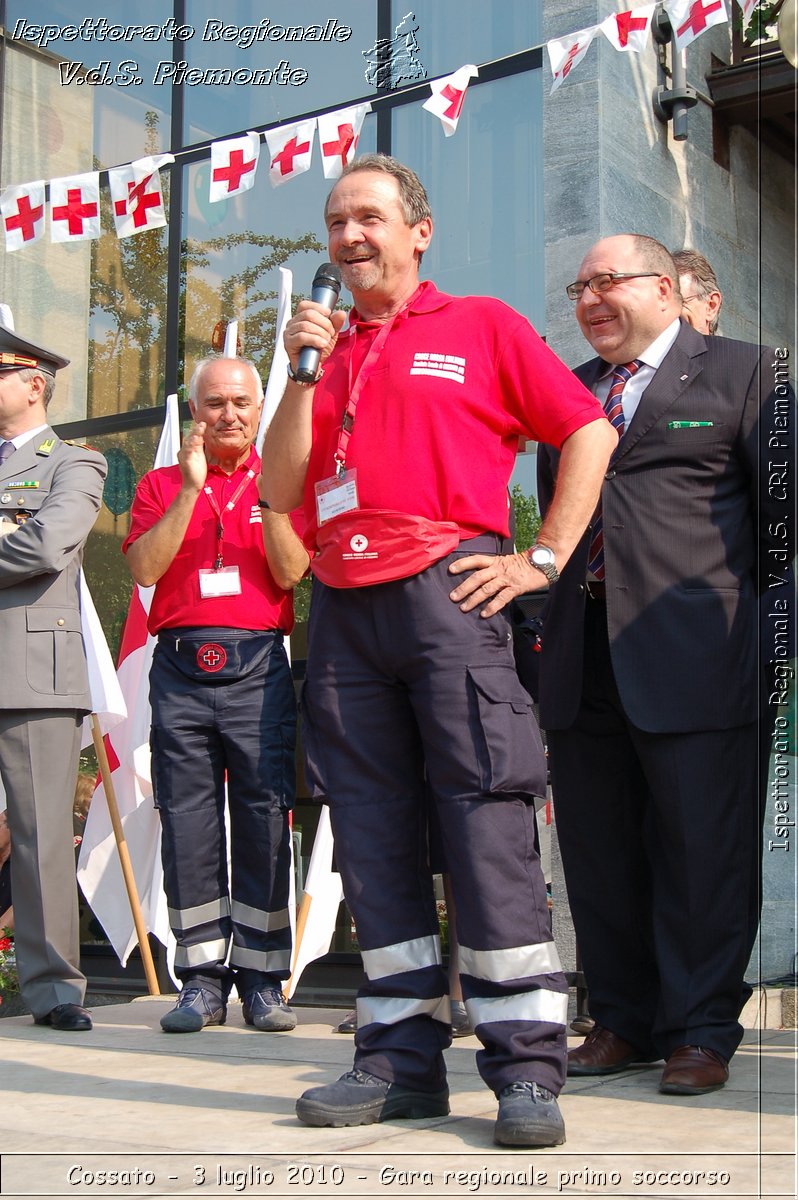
(216, 654)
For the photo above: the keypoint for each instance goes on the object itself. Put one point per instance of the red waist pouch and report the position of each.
(377, 545)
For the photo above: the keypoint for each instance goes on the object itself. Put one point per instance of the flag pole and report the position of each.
(301, 925)
(124, 859)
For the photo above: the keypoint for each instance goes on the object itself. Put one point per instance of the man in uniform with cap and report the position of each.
(50, 494)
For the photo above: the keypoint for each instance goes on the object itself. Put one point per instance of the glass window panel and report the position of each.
(130, 455)
(127, 316)
(112, 129)
(451, 33)
(334, 65)
(235, 247)
(485, 186)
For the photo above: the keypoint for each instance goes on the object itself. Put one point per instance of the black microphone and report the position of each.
(325, 290)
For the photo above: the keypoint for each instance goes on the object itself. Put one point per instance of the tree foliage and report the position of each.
(527, 518)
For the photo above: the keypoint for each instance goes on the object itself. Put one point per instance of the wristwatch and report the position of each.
(542, 558)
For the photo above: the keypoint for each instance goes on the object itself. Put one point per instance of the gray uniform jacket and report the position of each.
(60, 487)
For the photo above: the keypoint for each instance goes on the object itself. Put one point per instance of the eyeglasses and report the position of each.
(605, 281)
(689, 299)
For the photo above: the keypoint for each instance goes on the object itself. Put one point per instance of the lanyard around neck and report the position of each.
(356, 385)
(219, 513)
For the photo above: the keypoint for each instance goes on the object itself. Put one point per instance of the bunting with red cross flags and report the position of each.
(75, 207)
(339, 133)
(136, 195)
(290, 150)
(691, 18)
(629, 30)
(566, 53)
(448, 95)
(22, 212)
(234, 163)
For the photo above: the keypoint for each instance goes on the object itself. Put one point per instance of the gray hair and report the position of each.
(692, 263)
(412, 193)
(194, 382)
(49, 381)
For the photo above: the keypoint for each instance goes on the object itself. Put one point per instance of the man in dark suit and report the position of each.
(50, 494)
(649, 672)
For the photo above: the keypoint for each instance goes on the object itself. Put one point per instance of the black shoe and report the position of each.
(348, 1024)
(358, 1098)
(461, 1025)
(196, 1007)
(69, 1018)
(528, 1116)
(266, 1009)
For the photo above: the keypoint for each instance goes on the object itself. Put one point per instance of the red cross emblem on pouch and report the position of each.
(211, 657)
(359, 543)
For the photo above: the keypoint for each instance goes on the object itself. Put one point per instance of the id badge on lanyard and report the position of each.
(220, 580)
(338, 494)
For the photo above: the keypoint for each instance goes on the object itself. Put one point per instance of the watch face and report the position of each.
(542, 556)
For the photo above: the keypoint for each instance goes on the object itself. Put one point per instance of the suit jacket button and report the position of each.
(60, 621)
(610, 475)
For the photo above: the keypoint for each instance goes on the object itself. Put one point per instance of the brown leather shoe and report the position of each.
(692, 1071)
(603, 1053)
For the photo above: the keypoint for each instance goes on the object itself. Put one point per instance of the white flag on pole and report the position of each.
(107, 701)
(99, 872)
(325, 891)
(275, 384)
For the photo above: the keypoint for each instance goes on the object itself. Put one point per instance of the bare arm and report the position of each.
(286, 447)
(287, 558)
(153, 553)
(499, 579)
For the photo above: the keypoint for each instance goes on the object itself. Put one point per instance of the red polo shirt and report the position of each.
(177, 602)
(457, 383)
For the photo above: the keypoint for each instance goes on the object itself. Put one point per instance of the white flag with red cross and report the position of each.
(136, 195)
(629, 30)
(691, 18)
(448, 95)
(566, 53)
(22, 211)
(75, 207)
(99, 872)
(290, 150)
(234, 164)
(339, 133)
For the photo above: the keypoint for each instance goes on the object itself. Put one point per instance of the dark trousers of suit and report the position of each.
(39, 764)
(659, 841)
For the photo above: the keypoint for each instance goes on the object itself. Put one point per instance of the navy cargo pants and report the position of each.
(401, 683)
(238, 722)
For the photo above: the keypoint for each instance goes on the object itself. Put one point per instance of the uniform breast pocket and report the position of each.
(687, 432)
(19, 504)
(56, 664)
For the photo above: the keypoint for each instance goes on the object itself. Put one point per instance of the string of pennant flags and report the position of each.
(136, 193)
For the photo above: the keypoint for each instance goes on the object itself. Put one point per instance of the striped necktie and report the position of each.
(614, 410)
(6, 450)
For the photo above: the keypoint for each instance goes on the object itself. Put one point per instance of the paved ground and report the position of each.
(213, 1114)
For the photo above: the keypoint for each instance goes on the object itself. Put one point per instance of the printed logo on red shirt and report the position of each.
(211, 657)
(442, 366)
